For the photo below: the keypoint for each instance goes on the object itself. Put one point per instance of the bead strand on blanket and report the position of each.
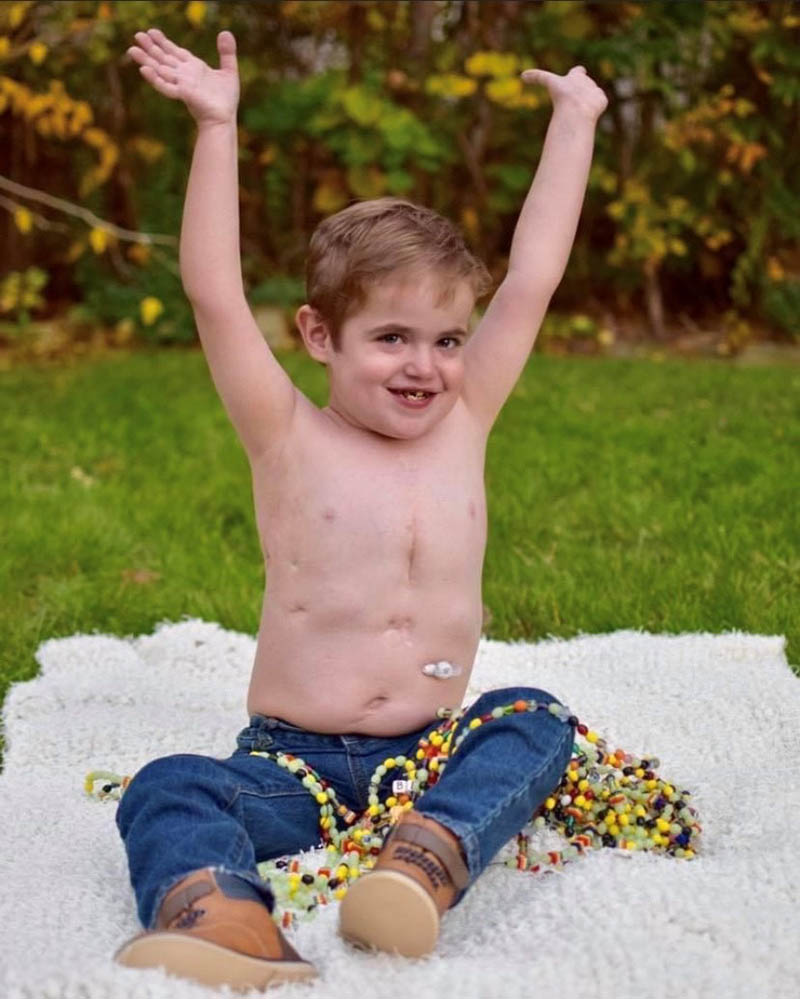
(605, 799)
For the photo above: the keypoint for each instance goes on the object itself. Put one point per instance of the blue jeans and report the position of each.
(184, 812)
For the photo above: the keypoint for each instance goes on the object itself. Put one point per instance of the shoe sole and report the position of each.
(208, 963)
(391, 912)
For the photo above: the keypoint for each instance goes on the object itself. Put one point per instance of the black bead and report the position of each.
(281, 863)
(334, 882)
(628, 771)
(608, 840)
(573, 720)
(640, 821)
(308, 879)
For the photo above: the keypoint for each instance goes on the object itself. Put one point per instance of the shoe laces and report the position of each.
(188, 917)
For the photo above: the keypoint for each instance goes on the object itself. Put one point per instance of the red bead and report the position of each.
(583, 729)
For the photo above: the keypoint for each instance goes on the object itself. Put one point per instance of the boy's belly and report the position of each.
(364, 674)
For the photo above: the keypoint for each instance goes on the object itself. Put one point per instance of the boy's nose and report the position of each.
(419, 363)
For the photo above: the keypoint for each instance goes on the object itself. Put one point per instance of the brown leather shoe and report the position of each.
(215, 938)
(397, 906)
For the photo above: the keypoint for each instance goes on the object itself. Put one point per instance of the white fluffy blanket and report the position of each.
(721, 712)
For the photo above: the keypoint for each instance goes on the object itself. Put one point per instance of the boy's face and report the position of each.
(400, 342)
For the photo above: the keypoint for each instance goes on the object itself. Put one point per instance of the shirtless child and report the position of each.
(372, 520)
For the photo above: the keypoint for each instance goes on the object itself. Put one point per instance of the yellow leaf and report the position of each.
(501, 91)
(150, 309)
(140, 253)
(328, 198)
(450, 85)
(23, 220)
(150, 150)
(775, 271)
(492, 64)
(16, 14)
(98, 239)
(678, 247)
(196, 12)
(37, 53)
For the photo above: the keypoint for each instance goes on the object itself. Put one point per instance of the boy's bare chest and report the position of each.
(331, 502)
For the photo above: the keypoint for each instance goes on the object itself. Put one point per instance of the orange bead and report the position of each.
(520, 705)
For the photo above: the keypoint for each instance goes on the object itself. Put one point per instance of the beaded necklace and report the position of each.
(604, 799)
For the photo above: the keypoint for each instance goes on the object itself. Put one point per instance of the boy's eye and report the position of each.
(454, 342)
(387, 337)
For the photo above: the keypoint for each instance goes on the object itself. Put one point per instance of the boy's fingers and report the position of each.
(168, 47)
(153, 50)
(226, 46)
(538, 76)
(157, 81)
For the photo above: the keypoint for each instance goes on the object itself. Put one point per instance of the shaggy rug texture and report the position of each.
(721, 712)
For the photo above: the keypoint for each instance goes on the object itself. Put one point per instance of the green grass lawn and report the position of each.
(622, 494)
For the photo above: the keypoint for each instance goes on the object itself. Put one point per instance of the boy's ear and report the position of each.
(315, 333)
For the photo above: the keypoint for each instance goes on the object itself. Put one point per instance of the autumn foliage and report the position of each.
(693, 207)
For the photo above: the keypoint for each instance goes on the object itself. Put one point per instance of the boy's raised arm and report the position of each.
(256, 392)
(496, 353)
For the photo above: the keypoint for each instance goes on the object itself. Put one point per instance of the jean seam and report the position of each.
(469, 836)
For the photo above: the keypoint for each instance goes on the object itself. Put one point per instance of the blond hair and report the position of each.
(368, 241)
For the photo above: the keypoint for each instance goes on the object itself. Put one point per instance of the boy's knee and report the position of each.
(164, 773)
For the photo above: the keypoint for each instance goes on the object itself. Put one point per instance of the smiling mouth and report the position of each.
(412, 394)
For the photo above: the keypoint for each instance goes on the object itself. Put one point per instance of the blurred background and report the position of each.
(689, 238)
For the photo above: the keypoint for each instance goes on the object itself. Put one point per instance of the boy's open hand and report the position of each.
(577, 90)
(211, 95)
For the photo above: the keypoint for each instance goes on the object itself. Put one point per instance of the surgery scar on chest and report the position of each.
(442, 670)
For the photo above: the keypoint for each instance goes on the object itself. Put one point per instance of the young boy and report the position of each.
(372, 520)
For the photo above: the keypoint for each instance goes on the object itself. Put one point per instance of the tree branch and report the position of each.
(128, 235)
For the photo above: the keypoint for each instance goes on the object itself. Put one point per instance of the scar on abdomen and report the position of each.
(328, 514)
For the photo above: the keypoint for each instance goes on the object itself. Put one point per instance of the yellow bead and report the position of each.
(340, 893)
(571, 775)
(689, 853)
(321, 798)
(420, 754)
(410, 765)
(341, 871)
(475, 723)
(433, 765)
(663, 825)
(651, 784)
(668, 791)
(639, 812)
(390, 763)
(391, 801)
(358, 835)
(605, 795)
(354, 873)
(623, 820)
(408, 806)
(374, 810)
(592, 737)
(550, 804)
(639, 772)
(580, 801)
(583, 785)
